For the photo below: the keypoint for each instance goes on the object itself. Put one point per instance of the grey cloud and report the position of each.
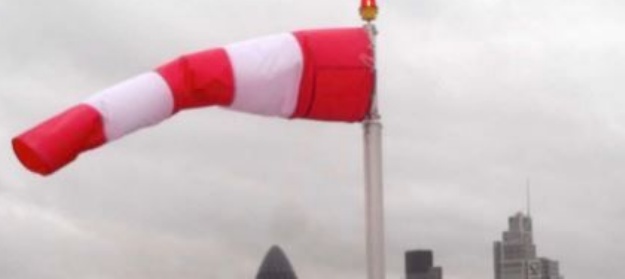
(476, 96)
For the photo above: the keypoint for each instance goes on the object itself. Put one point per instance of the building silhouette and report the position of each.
(275, 265)
(515, 255)
(420, 265)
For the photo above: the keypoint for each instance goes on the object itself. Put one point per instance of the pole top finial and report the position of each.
(368, 10)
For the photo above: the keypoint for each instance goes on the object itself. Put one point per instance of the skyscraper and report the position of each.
(515, 256)
(419, 265)
(550, 269)
(275, 265)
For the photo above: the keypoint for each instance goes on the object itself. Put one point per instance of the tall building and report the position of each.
(515, 255)
(420, 265)
(550, 269)
(275, 266)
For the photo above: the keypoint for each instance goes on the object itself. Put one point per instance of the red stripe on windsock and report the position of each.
(200, 79)
(58, 141)
(338, 77)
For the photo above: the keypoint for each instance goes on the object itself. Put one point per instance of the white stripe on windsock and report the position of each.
(139, 102)
(267, 74)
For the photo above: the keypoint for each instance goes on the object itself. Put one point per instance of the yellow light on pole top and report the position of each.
(368, 10)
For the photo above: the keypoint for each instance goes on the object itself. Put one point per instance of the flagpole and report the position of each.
(374, 191)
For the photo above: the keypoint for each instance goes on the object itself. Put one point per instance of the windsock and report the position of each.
(322, 75)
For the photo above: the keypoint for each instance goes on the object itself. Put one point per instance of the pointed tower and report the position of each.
(276, 266)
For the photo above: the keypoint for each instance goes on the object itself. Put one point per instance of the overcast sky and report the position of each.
(476, 96)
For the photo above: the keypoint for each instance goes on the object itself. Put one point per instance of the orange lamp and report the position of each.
(368, 10)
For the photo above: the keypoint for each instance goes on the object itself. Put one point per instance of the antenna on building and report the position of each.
(528, 197)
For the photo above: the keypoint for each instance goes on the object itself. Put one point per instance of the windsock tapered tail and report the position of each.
(319, 74)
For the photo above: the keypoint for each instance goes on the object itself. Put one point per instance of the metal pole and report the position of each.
(374, 193)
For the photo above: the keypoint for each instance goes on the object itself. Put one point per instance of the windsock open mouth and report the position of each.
(30, 158)
(324, 75)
